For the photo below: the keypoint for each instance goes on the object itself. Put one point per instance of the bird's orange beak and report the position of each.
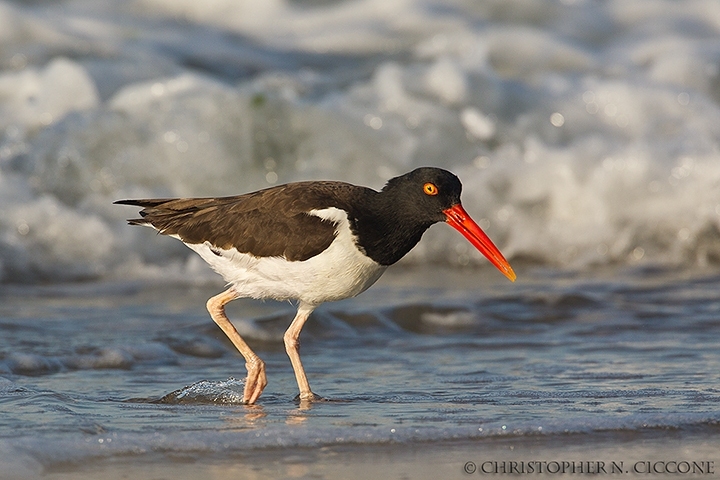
(458, 218)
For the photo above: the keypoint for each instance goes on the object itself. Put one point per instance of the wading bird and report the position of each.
(312, 242)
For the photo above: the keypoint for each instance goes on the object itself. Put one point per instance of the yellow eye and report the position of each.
(430, 189)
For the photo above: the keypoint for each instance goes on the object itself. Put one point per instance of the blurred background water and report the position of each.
(587, 137)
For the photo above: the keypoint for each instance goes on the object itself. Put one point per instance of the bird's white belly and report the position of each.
(340, 271)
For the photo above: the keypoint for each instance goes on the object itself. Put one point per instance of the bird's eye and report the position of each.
(430, 189)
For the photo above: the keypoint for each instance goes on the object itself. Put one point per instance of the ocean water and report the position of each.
(587, 137)
(114, 377)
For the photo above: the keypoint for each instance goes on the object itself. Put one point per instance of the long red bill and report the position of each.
(458, 218)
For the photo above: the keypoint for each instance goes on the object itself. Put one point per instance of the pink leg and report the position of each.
(292, 347)
(256, 378)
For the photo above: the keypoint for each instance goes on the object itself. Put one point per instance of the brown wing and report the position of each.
(269, 223)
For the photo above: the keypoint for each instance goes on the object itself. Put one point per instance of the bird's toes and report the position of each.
(309, 397)
(255, 383)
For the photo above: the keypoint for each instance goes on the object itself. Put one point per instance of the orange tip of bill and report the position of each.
(509, 273)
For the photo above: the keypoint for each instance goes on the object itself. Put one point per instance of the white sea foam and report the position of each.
(584, 133)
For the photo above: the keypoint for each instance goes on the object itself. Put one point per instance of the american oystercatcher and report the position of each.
(312, 242)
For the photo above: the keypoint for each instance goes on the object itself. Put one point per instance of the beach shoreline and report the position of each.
(616, 455)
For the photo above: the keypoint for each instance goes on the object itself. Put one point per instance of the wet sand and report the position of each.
(648, 454)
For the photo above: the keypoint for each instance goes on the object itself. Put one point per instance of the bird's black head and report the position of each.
(424, 194)
(407, 206)
(394, 219)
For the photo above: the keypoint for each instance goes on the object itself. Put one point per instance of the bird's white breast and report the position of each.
(340, 271)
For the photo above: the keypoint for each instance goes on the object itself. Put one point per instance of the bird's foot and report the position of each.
(255, 382)
(309, 397)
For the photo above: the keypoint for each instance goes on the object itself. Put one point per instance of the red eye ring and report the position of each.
(430, 189)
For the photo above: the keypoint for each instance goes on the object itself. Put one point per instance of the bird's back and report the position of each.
(293, 241)
(274, 222)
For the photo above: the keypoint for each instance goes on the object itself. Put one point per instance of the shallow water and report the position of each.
(95, 373)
